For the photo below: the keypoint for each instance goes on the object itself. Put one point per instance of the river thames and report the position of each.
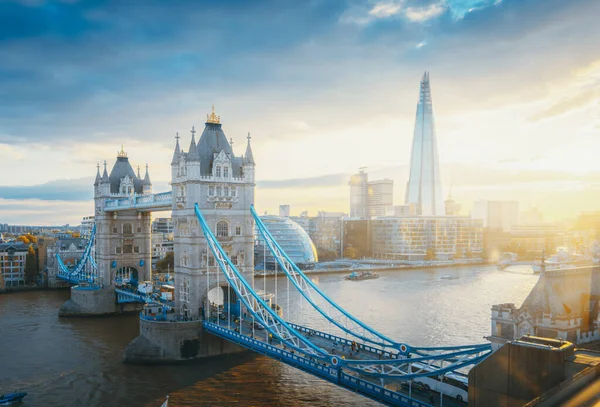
(78, 362)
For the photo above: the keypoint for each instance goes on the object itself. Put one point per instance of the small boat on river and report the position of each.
(9, 399)
(362, 275)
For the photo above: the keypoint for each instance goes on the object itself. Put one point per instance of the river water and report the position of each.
(78, 362)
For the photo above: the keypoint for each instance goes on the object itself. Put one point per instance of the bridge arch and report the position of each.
(125, 274)
(219, 300)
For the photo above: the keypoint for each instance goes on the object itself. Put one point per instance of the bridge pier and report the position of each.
(90, 301)
(169, 342)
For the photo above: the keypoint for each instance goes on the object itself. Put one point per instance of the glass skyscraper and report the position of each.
(424, 185)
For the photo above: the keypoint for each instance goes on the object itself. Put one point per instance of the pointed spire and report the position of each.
(105, 174)
(249, 157)
(147, 177)
(193, 151)
(122, 153)
(177, 149)
(138, 174)
(97, 181)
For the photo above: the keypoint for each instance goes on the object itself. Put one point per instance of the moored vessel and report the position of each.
(362, 275)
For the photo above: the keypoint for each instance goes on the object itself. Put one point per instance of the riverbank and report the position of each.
(18, 289)
(390, 267)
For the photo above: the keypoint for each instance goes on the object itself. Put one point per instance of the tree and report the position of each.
(351, 252)
(24, 239)
(31, 238)
(430, 254)
(31, 265)
(166, 263)
(75, 235)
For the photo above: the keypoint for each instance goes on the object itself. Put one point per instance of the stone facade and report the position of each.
(223, 187)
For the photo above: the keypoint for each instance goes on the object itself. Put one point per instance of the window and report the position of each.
(233, 192)
(234, 260)
(238, 230)
(218, 191)
(114, 230)
(127, 249)
(129, 190)
(139, 229)
(226, 172)
(127, 229)
(222, 229)
(226, 191)
(211, 261)
(211, 190)
(136, 249)
(218, 172)
(119, 250)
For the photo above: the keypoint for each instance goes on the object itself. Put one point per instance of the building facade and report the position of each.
(222, 184)
(12, 264)
(292, 238)
(359, 195)
(162, 225)
(381, 196)
(427, 238)
(424, 186)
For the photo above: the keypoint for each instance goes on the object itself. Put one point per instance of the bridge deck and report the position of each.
(390, 392)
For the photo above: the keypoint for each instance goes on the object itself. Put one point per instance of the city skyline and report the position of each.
(342, 95)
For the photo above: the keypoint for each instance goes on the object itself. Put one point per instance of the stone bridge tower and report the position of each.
(222, 184)
(123, 238)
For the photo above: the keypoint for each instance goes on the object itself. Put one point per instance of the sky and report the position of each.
(323, 86)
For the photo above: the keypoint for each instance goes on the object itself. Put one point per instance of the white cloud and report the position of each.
(424, 13)
(381, 10)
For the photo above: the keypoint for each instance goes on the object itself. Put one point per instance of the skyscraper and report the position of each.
(424, 185)
(359, 195)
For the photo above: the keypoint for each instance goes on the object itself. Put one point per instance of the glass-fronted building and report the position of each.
(427, 238)
(292, 238)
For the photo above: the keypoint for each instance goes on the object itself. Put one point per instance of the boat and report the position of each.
(449, 277)
(11, 398)
(363, 275)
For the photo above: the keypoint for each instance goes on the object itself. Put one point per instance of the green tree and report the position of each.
(430, 254)
(350, 252)
(166, 263)
(31, 265)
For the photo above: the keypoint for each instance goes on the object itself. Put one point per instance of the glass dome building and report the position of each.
(291, 237)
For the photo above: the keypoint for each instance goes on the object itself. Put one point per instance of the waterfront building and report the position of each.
(87, 223)
(427, 238)
(381, 196)
(12, 264)
(284, 210)
(325, 230)
(359, 195)
(70, 250)
(497, 215)
(292, 238)
(564, 304)
(424, 186)
(162, 225)
(162, 243)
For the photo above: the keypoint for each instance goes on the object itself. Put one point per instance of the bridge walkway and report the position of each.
(398, 390)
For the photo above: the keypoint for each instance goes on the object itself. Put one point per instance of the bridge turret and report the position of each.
(192, 161)
(105, 183)
(249, 163)
(147, 188)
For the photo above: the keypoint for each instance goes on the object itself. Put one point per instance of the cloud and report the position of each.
(424, 13)
(381, 10)
(58, 190)
(321, 181)
(589, 97)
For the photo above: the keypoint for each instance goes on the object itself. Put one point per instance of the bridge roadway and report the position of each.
(258, 340)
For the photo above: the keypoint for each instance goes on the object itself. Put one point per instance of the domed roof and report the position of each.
(121, 169)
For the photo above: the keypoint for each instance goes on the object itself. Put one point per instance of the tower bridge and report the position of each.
(211, 200)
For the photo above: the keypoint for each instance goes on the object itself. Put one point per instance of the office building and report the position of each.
(359, 195)
(292, 238)
(424, 186)
(381, 196)
(12, 264)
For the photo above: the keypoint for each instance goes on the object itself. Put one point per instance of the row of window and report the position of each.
(218, 172)
(223, 229)
(224, 191)
(127, 229)
(128, 249)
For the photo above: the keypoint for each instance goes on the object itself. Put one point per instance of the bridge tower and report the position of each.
(210, 174)
(123, 244)
(123, 238)
(222, 184)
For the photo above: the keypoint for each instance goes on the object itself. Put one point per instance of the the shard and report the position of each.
(424, 187)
